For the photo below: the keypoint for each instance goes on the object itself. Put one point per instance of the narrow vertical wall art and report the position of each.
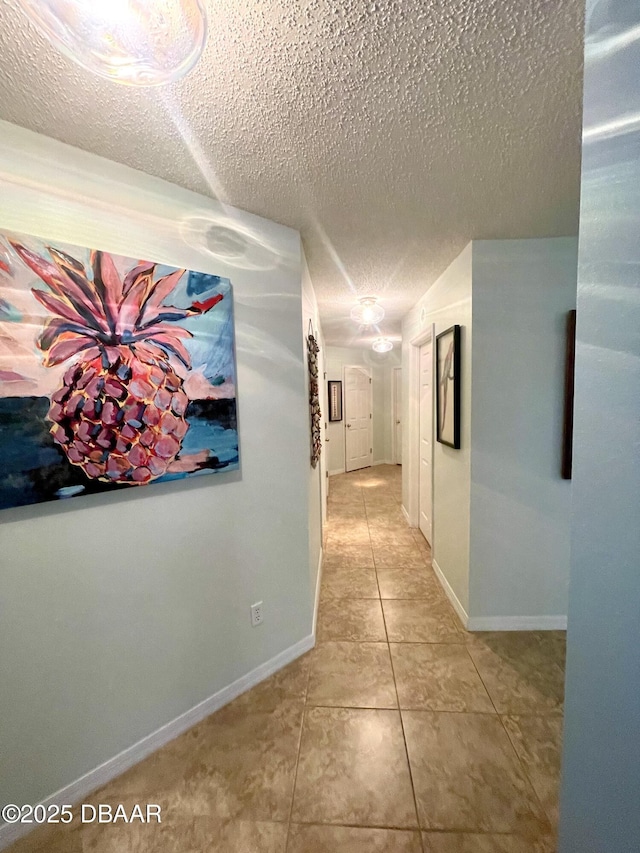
(448, 387)
(335, 400)
(569, 381)
(314, 397)
(113, 372)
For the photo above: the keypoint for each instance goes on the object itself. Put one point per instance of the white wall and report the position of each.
(601, 784)
(381, 365)
(447, 302)
(119, 612)
(520, 506)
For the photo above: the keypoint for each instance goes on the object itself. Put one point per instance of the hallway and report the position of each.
(398, 733)
(481, 715)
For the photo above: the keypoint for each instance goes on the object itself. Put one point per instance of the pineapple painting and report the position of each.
(113, 372)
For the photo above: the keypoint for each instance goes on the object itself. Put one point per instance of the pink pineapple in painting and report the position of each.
(120, 413)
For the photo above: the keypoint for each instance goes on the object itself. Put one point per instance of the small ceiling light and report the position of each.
(135, 42)
(382, 345)
(367, 312)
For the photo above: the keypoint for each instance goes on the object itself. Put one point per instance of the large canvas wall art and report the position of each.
(114, 372)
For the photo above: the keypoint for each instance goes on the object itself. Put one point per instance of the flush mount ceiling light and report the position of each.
(135, 42)
(382, 345)
(367, 312)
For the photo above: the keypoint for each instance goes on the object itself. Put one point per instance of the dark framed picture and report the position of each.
(448, 387)
(335, 400)
(569, 370)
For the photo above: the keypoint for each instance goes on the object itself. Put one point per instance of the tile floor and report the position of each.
(399, 733)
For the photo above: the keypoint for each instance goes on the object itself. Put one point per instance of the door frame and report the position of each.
(412, 434)
(366, 370)
(395, 414)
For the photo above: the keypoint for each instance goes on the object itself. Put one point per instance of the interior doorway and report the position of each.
(396, 423)
(426, 440)
(358, 418)
(418, 477)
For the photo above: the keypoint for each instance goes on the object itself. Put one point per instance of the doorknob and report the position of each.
(348, 426)
(397, 422)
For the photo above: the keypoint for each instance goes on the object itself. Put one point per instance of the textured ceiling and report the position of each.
(389, 132)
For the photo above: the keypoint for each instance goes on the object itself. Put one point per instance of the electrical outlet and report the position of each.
(256, 614)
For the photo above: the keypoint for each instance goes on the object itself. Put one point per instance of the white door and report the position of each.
(397, 415)
(426, 439)
(357, 418)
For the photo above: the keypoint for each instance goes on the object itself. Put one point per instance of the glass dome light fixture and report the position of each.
(382, 345)
(135, 42)
(367, 312)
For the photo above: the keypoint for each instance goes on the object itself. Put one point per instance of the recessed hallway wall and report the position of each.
(501, 510)
(381, 366)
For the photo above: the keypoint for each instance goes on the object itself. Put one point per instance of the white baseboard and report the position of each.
(94, 779)
(336, 471)
(453, 598)
(406, 515)
(498, 623)
(517, 623)
(317, 599)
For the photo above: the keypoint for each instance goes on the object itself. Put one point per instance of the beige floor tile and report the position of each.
(380, 510)
(386, 518)
(538, 742)
(350, 839)
(171, 777)
(467, 777)
(345, 512)
(420, 541)
(455, 842)
(238, 764)
(349, 582)
(245, 837)
(50, 839)
(288, 683)
(358, 620)
(353, 770)
(350, 476)
(201, 835)
(389, 557)
(345, 496)
(345, 486)
(438, 678)
(419, 621)
(340, 554)
(386, 499)
(340, 528)
(344, 502)
(380, 492)
(520, 670)
(410, 582)
(398, 539)
(379, 488)
(356, 538)
(352, 675)
(388, 524)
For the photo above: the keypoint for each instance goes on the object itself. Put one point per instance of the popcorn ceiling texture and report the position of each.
(390, 132)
